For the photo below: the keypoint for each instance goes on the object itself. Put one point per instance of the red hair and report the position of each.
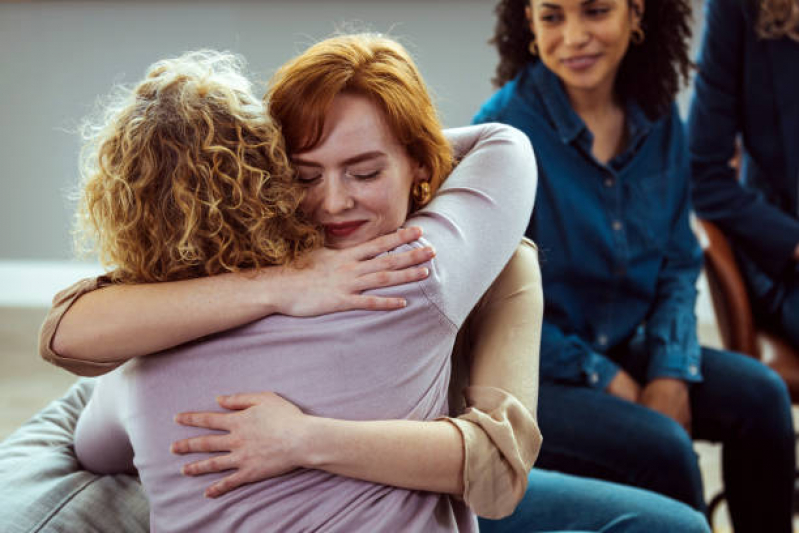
(371, 65)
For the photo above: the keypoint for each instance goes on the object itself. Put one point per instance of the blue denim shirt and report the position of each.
(617, 250)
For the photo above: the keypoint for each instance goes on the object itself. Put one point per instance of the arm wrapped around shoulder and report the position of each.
(61, 304)
(496, 354)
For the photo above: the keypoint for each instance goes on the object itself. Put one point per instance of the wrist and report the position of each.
(309, 447)
(265, 289)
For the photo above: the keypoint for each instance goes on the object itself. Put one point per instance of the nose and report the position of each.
(336, 196)
(575, 33)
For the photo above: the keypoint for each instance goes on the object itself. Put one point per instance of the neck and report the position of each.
(603, 115)
(594, 104)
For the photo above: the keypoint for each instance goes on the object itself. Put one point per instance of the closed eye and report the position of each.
(367, 175)
(308, 179)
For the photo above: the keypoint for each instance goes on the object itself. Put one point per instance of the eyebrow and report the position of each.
(366, 156)
(556, 6)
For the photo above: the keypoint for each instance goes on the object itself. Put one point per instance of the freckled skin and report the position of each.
(358, 178)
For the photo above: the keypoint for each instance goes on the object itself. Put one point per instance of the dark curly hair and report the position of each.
(650, 73)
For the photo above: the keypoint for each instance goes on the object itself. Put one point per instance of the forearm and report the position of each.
(120, 322)
(408, 454)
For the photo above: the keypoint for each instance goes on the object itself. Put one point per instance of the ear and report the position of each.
(637, 10)
(421, 173)
(528, 13)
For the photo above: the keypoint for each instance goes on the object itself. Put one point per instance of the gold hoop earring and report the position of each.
(637, 36)
(533, 47)
(422, 193)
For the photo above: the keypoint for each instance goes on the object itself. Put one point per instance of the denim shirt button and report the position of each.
(609, 182)
(693, 370)
(617, 225)
(594, 378)
(602, 340)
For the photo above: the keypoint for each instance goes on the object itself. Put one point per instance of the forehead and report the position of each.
(353, 124)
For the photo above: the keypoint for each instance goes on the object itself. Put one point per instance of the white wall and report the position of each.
(56, 57)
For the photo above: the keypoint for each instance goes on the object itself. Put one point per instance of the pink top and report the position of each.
(356, 365)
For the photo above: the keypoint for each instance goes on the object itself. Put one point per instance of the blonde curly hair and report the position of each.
(186, 175)
(778, 18)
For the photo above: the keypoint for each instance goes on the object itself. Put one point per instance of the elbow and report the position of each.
(59, 347)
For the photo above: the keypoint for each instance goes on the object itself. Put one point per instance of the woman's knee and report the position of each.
(670, 517)
(768, 400)
(674, 467)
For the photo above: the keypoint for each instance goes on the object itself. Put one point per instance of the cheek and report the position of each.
(390, 204)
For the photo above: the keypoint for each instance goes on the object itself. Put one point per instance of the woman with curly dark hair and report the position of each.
(625, 384)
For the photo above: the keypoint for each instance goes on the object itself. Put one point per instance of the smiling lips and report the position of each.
(343, 229)
(582, 62)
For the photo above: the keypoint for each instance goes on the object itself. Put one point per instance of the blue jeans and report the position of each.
(741, 403)
(558, 502)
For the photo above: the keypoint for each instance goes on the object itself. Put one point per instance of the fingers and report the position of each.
(207, 443)
(237, 402)
(226, 485)
(389, 279)
(398, 261)
(376, 303)
(220, 463)
(220, 421)
(386, 242)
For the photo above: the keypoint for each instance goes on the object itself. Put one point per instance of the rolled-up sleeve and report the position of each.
(496, 411)
(61, 304)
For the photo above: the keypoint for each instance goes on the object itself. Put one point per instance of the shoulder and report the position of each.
(514, 99)
(495, 107)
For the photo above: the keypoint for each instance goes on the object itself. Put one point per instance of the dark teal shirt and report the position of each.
(617, 252)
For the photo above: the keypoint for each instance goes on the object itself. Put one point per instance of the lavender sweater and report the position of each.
(356, 365)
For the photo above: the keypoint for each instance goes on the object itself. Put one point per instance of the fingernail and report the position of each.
(425, 272)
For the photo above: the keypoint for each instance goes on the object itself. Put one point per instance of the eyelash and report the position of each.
(366, 177)
(307, 181)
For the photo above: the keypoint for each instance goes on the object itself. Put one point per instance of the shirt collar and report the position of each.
(567, 122)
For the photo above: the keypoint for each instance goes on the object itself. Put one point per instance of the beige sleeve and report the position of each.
(61, 304)
(497, 352)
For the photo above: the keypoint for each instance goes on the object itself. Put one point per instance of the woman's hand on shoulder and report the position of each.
(334, 280)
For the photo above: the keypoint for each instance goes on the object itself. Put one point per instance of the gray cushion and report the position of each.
(43, 488)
